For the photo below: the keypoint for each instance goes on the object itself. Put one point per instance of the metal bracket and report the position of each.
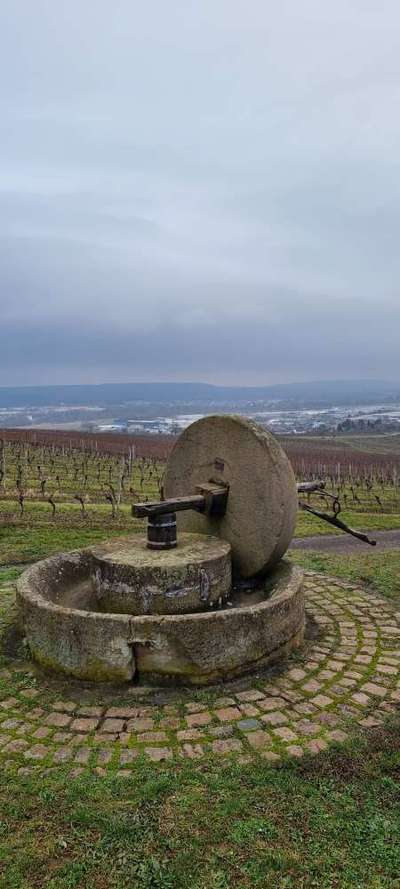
(211, 500)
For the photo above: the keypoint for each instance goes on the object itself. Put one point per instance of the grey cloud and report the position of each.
(199, 190)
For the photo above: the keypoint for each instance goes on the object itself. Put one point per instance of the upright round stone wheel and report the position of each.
(262, 504)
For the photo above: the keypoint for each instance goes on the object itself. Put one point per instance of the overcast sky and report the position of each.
(199, 190)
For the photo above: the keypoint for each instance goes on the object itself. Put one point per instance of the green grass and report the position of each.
(333, 821)
(309, 526)
(20, 543)
(380, 571)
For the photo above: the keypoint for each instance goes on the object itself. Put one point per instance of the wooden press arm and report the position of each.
(210, 499)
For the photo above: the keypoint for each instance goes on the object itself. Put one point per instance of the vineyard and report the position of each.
(364, 482)
(80, 478)
(63, 482)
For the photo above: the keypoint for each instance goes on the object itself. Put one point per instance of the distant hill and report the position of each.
(315, 393)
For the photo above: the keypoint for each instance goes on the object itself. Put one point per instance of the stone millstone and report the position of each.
(132, 579)
(262, 504)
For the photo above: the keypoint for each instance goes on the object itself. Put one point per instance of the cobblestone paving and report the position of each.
(348, 680)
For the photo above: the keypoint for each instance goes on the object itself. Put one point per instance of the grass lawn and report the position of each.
(329, 821)
(380, 571)
(309, 526)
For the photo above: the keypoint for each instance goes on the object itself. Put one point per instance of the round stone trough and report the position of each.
(67, 632)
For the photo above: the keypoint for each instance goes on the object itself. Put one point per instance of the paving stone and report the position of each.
(62, 737)
(103, 738)
(386, 669)
(64, 706)
(124, 773)
(337, 735)
(312, 685)
(104, 756)
(122, 713)
(295, 750)
(247, 725)
(35, 714)
(194, 707)
(82, 755)
(195, 719)
(38, 751)
(170, 722)
(77, 740)
(127, 756)
(84, 724)
(305, 727)
(41, 732)
(370, 722)
(158, 754)
(113, 725)
(228, 714)
(232, 745)
(258, 740)
(154, 737)
(140, 724)
(220, 731)
(9, 703)
(297, 674)
(224, 702)
(316, 745)
(271, 690)
(249, 696)
(375, 690)
(11, 723)
(305, 709)
(29, 693)
(63, 754)
(270, 756)
(193, 751)
(273, 703)
(274, 718)
(325, 718)
(191, 734)
(322, 701)
(249, 710)
(285, 733)
(76, 772)
(95, 712)
(60, 720)
(360, 698)
(16, 746)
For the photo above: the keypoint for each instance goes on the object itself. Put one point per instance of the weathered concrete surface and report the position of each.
(196, 649)
(131, 579)
(84, 644)
(262, 503)
(178, 649)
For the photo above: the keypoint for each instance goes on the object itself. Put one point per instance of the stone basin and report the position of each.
(67, 632)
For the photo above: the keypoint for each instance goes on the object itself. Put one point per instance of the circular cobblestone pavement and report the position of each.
(347, 678)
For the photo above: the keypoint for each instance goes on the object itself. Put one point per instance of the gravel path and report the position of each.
(343, 543)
